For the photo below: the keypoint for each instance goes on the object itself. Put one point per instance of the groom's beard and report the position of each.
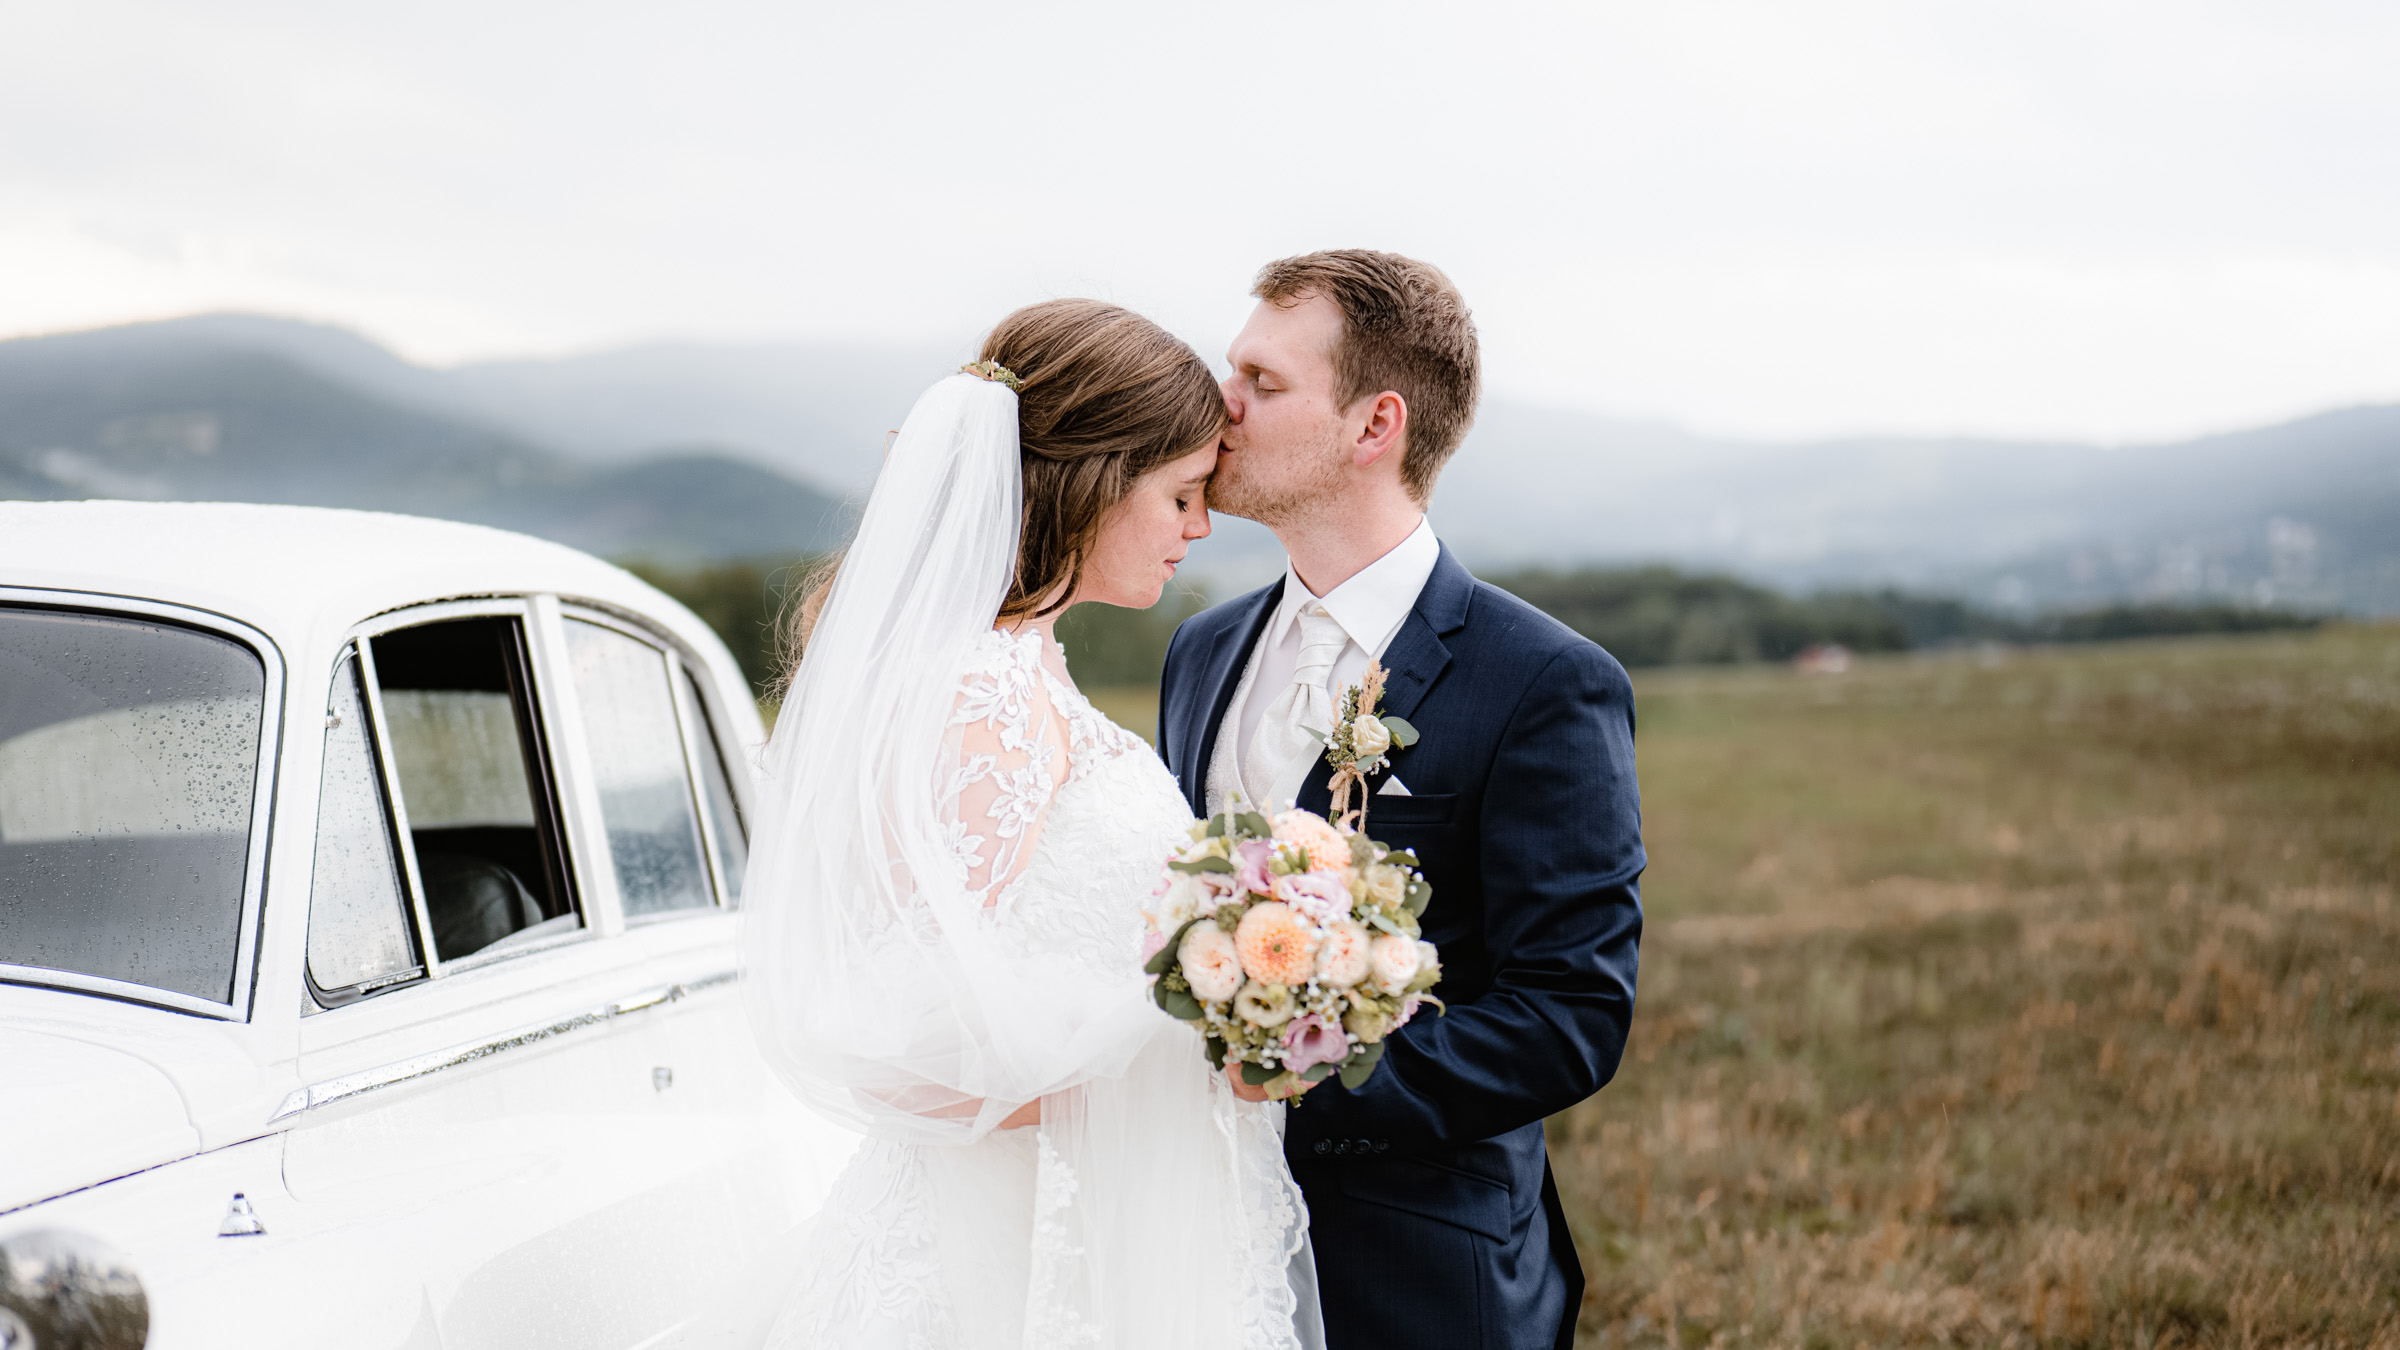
(1276, 492)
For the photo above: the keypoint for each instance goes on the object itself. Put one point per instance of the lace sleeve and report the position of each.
(1011, 758)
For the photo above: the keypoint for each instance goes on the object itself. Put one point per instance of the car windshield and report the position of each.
(128, 758)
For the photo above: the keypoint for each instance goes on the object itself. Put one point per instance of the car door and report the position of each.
(477, 1081)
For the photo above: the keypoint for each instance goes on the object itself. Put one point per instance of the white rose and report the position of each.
(1393, 960)
(1210, 963)
(1429, 967)
(1264, 1005)
(1186, 899)
(1369, 736)
(1342, 961)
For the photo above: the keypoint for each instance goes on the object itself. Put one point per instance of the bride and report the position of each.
(942, 924)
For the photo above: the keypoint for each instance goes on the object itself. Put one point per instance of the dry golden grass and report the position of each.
(2055, 1002)
(2050, 1003)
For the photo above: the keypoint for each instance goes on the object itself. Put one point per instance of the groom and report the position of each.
(1432, 1211)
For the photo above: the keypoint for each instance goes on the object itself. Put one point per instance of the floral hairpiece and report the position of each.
(995, 372)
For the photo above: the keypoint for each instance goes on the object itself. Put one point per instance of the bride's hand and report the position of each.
(1258, 1093)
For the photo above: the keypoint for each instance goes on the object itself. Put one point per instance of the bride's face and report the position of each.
(1143, 537)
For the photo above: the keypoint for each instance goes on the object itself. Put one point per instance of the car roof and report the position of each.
(305, 574)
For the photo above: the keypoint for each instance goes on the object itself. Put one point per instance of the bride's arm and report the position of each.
(1010, 761)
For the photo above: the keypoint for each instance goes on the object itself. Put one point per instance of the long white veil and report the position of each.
(880, 985)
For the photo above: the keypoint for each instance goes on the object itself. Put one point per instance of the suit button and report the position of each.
(1341, 1146)
(1382, 1144)
(1324, 1146)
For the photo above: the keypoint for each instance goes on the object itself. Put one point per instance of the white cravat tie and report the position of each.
(1290, 732)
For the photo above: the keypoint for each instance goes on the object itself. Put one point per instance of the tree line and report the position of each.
(1644, 616)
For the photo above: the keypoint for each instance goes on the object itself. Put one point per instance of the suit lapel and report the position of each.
(1220, 675)
(1413, 661)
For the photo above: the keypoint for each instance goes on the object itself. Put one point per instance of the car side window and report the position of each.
(625, 689)
(726, 832)
(475, 796)
(129, 753)
(361, 936)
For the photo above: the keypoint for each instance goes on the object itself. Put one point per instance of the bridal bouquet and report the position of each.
(1291, 945)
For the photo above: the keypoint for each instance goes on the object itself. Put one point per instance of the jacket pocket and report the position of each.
(1431, 1191)
(1424, 808)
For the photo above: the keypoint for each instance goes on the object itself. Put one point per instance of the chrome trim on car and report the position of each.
(302, 1100)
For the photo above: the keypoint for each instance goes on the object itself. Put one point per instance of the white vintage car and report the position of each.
(367, 970)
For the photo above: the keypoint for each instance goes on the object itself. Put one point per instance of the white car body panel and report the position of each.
(487, 1157)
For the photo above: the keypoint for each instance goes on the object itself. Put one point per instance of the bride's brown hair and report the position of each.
(1104, 396)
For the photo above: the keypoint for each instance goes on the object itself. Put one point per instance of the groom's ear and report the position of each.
(1382, 430)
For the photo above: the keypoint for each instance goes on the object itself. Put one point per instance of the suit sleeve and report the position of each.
(1561, 862)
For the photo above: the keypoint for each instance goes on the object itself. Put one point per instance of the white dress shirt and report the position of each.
(1370, 607)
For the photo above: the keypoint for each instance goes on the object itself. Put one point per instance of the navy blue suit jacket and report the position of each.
(1431, 1206)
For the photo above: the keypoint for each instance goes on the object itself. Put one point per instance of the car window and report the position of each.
(128, 761)
(724, 815)
(474, 790)
(360, 933)
(638, 763)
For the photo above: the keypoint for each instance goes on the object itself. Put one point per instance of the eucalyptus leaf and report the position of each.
(1358, 1067)
(1216, 1054)
(1254, 823)
(1403, 735)
(1317, 1073)
(1179, 1004)
(1216, 827)
(1203, 865)
(1419, 896)
(1165, 956)
(1259, 1075)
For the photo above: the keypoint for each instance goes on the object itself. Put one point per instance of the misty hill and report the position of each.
(196, 410)
(2304, 514)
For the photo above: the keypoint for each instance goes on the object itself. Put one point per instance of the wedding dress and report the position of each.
(943, 923)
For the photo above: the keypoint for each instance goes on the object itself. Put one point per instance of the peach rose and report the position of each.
(1393, 960)
(1210, 963)
(1343, 962)
(1275, 945)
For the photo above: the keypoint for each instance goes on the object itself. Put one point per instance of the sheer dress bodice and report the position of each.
(1061, 821)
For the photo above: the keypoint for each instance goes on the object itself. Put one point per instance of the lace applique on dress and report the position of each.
(1009, 740)
(869, 1264)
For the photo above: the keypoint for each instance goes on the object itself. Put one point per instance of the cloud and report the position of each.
(2121, 220)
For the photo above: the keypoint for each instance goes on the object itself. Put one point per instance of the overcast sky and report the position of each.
(2115, 220)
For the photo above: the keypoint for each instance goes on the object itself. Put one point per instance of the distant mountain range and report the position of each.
(245, 409)
(684, 452)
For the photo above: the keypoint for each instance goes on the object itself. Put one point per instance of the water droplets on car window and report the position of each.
(128, 758)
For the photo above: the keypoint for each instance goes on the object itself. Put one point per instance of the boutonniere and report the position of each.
(1360, 743)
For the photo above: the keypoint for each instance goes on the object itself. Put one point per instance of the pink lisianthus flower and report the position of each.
(1313, 1040)
(1250, 866)
(1152, 943)
(1321, 896)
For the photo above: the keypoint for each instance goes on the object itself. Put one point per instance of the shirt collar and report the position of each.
(1370, 606)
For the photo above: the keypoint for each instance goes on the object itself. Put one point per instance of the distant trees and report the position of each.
(1644, 616)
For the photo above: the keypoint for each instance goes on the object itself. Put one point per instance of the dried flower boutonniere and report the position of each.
(1358, 744)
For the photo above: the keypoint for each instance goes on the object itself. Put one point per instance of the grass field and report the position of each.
(2048, 1002)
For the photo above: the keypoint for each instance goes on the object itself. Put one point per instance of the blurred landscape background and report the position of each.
(1977, 429)
(719, 473)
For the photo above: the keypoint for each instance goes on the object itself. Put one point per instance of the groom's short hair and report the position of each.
(1404, 328)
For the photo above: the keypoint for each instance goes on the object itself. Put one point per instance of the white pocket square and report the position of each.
(1393, 787)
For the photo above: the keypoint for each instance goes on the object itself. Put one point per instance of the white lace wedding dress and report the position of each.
(1151, 1208)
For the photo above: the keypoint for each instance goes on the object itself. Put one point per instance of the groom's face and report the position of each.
(1284, 445)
